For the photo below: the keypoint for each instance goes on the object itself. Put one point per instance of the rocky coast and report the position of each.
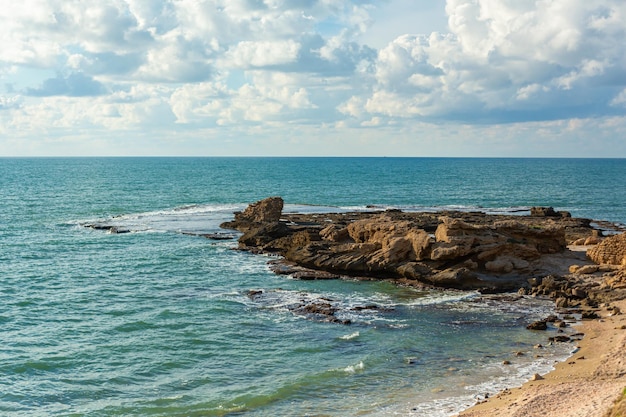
(579, 263)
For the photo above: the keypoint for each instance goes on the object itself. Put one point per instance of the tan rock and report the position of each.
(447, 251)
(398, 241)
(502, 264)
(612, 250)
(573, 269)
(334, 233)
(376, 229)
(588, 269)
(592, 240)
(267, 210)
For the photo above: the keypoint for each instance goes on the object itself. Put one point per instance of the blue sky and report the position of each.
(313, 77)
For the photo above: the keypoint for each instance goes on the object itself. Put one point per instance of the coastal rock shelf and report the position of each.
(450, 249)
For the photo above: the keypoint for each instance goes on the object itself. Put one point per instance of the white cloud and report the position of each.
(9, 102)
(620, 99)
(246, 65)
(250, 54)
(505, 61)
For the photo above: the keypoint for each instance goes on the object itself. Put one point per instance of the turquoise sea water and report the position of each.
(158, 322)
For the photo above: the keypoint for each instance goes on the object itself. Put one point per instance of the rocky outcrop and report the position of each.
(447, 249)
(501, 246)
(548, 212)
(611, 251)
(268, 210)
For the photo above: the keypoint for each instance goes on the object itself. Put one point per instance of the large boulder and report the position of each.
(265, 211)
(611, 250)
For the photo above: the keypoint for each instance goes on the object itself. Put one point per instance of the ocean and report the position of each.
(158, 322)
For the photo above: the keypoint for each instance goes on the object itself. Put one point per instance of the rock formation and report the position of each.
(268, 210)
(447, 249)
(611, 251)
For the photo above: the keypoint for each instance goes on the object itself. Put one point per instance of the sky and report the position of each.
(492, 78)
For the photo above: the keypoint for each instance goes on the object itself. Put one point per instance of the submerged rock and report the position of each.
(315, 307)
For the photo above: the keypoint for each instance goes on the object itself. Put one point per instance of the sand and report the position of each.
(587, 384)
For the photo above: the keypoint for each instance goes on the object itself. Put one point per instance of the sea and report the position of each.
(159, 321)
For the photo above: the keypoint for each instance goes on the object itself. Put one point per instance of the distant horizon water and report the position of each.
(157, 322)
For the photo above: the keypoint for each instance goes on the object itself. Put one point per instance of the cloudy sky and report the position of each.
(313, 77)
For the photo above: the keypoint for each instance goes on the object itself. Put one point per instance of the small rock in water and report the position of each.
(538, 325)
(560, 339)
(536, 377)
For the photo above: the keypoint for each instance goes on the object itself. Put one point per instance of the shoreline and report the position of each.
(586, 384)
(544, 254)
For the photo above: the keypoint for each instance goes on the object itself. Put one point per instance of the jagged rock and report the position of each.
(268, 210)
(448, 249)
(612, 250)
(504, 245)
(398, 241)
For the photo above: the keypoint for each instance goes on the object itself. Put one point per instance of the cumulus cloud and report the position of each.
(506, 61)
(250, 54)
(196, 64)
(74, 85)
(9, 102)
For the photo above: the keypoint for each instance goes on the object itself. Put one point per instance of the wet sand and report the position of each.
(587, 384)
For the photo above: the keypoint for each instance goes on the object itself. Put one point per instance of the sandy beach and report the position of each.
(588, 384)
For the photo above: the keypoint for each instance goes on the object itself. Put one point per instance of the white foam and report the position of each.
(350, 336)
(312, 209)
(197, 218)
(354, 368)
(444, 297)
(499, 377)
